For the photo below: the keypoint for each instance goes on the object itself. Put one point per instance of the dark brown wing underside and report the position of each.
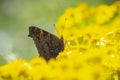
(48, 45)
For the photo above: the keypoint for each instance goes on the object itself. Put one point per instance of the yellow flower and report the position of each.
(15, 70)
(92, 47)
(104, 13)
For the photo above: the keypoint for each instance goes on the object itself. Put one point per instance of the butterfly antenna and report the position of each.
(62, 26)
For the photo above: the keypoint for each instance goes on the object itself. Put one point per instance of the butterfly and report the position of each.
(48, 45)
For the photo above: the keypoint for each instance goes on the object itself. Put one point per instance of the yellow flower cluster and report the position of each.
(92, 48)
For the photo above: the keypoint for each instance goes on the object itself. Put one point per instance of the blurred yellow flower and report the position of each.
(104, 14)
(92, 48)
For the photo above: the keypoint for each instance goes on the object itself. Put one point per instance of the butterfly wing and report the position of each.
(48, 45)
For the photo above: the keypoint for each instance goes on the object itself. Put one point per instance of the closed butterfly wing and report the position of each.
(48, 45)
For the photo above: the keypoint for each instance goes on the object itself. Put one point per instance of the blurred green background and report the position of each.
(17, 15)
